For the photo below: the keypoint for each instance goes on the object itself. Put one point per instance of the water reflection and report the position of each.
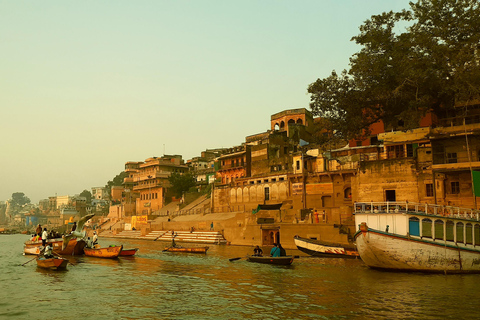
(157, 285)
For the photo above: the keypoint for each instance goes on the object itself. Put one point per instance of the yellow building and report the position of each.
(151, 181)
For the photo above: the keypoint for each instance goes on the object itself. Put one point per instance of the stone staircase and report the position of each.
(210, 237)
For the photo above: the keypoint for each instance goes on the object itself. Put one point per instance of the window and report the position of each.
(409, 150)
(429, 189)
(267, 193)
(298, 165)
(395, 151)
(358, 143)
(455, 187)
(452, 157)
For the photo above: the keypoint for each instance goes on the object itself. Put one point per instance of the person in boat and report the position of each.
(48, 254)
(95, 238)
(173, 239)
(275, 252)
(38, 231)
(257, 251)
(283, 253)
(44, 237)
(89, 243)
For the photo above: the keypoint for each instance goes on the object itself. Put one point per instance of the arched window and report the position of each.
(449, 234)
(276, 127)
(299, 121)
(414, 226)
(476, 233)
(291, 121)
(427, 228)
(469, 233)
(439, 229)
(347, 193)
(459, 232)
(282, 125)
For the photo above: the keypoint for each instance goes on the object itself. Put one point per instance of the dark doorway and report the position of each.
(390, 195)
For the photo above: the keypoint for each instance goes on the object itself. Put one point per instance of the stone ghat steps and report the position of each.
(212, 237)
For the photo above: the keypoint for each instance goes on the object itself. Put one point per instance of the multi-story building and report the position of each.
(151, 181)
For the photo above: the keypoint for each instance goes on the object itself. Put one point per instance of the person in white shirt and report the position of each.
(48, 252)
(44, 237)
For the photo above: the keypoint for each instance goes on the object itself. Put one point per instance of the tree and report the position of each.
(398, 78)
(116, 181)
(88, 195)
(19, 199)
(180, 183)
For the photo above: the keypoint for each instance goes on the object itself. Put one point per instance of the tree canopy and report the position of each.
(180, 183)
(19, 199)
(88, 196)
(398, 77)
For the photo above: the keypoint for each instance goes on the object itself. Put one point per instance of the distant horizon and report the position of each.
(89, 86)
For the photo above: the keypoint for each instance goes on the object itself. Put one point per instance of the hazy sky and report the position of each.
(89, 85)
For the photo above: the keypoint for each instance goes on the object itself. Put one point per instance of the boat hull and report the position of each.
(318, 249)
(74, 247)
(381, 250)
(108, 252)
(128, 252)
(284, 261)
(52, 263)
(187, 250)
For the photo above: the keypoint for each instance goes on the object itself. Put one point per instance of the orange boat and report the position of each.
(52, 263)
(188, 250)
(74, 247)
(108, 252)
(128, 252)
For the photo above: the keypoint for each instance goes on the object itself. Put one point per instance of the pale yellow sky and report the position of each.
(90, 85)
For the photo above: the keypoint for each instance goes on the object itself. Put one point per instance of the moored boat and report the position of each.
(284, 261)
(128, 252)
(319, 248)
(108, 252)
(74, 247)
(187, 250)
(418, 237)
(55, 263)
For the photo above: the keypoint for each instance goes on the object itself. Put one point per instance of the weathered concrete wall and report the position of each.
(375, 177)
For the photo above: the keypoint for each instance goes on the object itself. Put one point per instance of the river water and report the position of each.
(157, 285)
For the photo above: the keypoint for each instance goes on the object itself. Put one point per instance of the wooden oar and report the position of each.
(29, 261)
(58, 255)
(235, 259)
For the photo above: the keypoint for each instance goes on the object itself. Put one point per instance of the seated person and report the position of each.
(257, 251)
(48, 252)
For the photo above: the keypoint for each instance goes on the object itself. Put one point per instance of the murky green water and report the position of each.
(156, 285)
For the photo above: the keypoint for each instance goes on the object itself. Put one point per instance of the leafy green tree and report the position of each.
(399, 77)
(180, 183)
(19, 199)
(88, 195)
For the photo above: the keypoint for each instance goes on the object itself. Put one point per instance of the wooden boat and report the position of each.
(283, 261)
(74, 247)
(188, 250)
(408, 236)
(55, 263)
(108, 252)
(319, 248)
(128, 252)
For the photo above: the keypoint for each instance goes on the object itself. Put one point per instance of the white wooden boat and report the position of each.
(318, 248)
(418, 237)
